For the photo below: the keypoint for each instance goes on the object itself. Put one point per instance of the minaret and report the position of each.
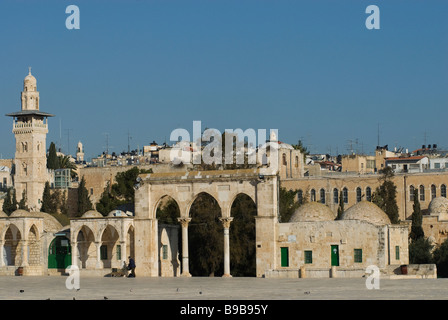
(30, 128)
(79, 152)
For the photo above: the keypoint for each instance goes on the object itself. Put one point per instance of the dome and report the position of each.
(51, 224)
(439, 206)
(367, 211)
(92, 214)
(312, 211)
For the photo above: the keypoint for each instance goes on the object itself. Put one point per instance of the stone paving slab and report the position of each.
(203, 288)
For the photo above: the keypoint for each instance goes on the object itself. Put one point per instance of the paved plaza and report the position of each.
(204, 288)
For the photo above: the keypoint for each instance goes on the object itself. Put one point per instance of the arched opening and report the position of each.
(59, 253)
(130, 243)
(205, 237)
(11, 247)
(33, 247)
(242, 237)
(369, 194)
(86, 248)
(322, 196)
(110, 253)
(170, 242)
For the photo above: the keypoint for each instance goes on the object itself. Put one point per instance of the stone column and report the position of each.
(24, 253)
(226, 223)
(74, 253)
(98, 255)
(124, 256)
(184, 222)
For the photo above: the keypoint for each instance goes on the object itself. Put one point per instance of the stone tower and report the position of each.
(79, 152)
(30, 128)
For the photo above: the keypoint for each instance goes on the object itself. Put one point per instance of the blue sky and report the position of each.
(310, 69)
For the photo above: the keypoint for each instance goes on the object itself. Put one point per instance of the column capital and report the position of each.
(226, 221)
(184, 221)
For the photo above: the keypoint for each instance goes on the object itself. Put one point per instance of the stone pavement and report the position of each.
(203, 288)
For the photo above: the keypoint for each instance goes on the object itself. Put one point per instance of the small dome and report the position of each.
(3, 215)
(51, 224)
(312, 211)
(438, 205)
(117, 213)
(20, 213)
(367, 211)
(92, 214)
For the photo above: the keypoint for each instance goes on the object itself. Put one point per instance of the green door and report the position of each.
(284, 256)
(59, 253)
(335, 255)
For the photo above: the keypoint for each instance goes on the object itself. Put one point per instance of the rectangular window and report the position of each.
(397, 252)
(118, 252)
(308, 256)
(358, 255)
(164, 251)
(91, 191)
(103, 252)
(284, 256)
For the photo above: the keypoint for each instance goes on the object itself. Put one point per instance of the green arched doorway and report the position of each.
(59, 253)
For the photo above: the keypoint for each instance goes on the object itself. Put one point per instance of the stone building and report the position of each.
(435, 223)
(314, 244)
(26, 239)
(357, 187)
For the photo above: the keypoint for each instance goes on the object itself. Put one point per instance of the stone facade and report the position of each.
(312, 246)
(358, 187)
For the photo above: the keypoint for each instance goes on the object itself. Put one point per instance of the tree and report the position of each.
(22, 203)
(420, 251)
(440, 256)
(107, 202)
(51, 201)
(52, 158)
(303, 149)
(84, 203)
(417, 218)
(385, 195)
(168, 212)
(47, 205)
(340, 207)
(287, 204)
(8, 204)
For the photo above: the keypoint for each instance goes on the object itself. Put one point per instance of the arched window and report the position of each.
(322, 196)
(411, 193)
(422, 193)
(368, 194)
(297, 161)
(433, 191)
(443, 190)
(335, 196)
(284, 159)
(345, 195)
(300, 196)
(358, 194)
(313, 195)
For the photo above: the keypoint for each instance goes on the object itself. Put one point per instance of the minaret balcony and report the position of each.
(19, 127)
